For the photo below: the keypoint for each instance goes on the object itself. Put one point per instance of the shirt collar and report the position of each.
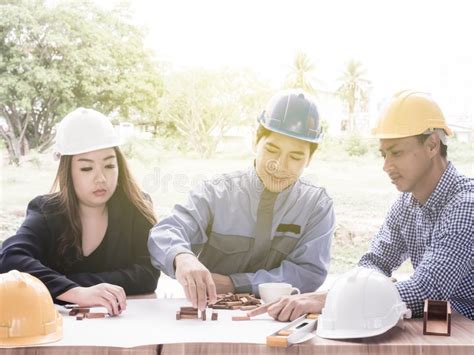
(440, 191)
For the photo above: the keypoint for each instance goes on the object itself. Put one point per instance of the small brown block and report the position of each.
(220, 306)
(247, 308)
(239, 318)
(233, 303)
(203, 315)
(214, 316)
(312, 316)
(284, 333)
(178, 315)
(73, 312)
(188, 316)
(190, 313)
(80, 316)
(95, 315)
(187, 309)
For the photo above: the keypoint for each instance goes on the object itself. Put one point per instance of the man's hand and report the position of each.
(106, 295)
(196, 280)
(288, 308)
(223, 283)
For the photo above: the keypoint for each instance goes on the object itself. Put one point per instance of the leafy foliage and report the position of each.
(203, 105)
(354, 90)
(57, 56)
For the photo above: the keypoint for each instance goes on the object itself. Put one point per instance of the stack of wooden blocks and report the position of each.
(242, 301)
(192, 313)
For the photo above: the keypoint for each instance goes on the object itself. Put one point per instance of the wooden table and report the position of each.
(409, 341)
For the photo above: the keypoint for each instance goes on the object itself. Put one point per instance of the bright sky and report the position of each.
(424, 45)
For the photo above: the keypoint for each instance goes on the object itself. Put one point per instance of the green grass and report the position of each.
(360, 189)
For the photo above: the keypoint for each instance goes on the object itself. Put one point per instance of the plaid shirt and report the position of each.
(438, 238)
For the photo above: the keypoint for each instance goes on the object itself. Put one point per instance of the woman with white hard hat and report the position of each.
(87, 239)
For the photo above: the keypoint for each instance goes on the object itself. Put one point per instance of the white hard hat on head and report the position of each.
(362, 303)
(84, 130)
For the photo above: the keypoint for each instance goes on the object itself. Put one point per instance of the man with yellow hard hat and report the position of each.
(432, 221)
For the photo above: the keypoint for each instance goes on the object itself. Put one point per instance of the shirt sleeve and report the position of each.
(306, 267)
(27, 250)
(446, 262)
(185, 226)
(137, 278)
(388, 249)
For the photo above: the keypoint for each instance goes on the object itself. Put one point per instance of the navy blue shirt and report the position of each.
(122, 258)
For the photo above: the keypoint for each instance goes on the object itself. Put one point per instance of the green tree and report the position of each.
(353, 91)
(301, 75)
(202, 105)
(56, 56)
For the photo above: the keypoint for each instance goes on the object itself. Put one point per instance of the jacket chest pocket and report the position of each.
(279, 250)
(226, 254)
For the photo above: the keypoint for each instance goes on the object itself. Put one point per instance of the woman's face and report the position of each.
(95, 176)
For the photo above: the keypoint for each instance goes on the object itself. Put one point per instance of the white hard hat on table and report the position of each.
(362, 303)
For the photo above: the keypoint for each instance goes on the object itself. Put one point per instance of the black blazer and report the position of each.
(121, 259)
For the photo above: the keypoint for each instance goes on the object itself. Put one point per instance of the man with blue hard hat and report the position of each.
(264, 224)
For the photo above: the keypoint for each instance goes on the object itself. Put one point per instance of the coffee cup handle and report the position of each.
(295, 291)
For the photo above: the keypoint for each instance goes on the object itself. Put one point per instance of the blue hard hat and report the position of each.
(294, 114)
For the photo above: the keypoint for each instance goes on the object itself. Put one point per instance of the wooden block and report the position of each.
(214, 316)
(189, 313)
(75, 311)
(437, 318)
(188, 309)
(178, 315)
(312, 316)
(95, 315)
(80, 316)
(239, 318)
(203, 315)
(284, 333)
(234, 303)
(219, 306)
(247, 308)
(188, 316)
(277, 341)
(71, 306)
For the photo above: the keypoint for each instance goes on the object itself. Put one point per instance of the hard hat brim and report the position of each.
(350, 333)
(34, 340)
(380, 135)
(317, 139)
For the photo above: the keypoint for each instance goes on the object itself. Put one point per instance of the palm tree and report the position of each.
(301, 74)
(353, 91)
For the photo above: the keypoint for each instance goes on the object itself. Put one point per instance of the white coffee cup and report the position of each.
(273, 291)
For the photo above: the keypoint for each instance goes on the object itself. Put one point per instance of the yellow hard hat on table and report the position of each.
(27, 312)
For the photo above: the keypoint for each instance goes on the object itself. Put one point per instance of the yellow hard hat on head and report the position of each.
(27, 312)
(410, 113)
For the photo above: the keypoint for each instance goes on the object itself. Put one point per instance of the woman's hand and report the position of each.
(106, 295)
